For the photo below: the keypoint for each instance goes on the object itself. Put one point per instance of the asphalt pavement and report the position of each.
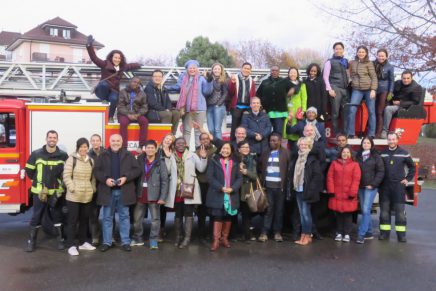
(324, 265)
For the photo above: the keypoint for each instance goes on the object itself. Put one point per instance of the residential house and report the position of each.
(7, 38)
(55, 40)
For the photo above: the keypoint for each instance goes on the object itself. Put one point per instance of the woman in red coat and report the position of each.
(343, 180)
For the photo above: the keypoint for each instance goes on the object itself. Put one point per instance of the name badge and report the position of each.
(144, 184)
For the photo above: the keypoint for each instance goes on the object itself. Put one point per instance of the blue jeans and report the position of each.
(305, 214)
(124, 218)
(104, 92)
(366, 198)
(274, 213)
(356, 99)
(215, 118)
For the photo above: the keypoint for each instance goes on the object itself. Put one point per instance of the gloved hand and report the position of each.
(43, 194)
(90, 40)
(389, 97)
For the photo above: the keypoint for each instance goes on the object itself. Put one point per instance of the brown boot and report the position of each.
(217, 228)
(226, 231)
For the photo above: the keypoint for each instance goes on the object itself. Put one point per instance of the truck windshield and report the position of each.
(7, 130)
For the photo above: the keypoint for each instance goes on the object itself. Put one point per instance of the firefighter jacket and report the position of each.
(398, 166)
(45, 170)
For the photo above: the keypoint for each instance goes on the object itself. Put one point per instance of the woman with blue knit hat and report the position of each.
(192, 104)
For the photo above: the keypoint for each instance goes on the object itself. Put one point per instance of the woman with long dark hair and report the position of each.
(372, 168)
(223, 195)
(386, 79)
(315, 88)
(248, 169)
(364, 84)
(297, 103)
(112, 69)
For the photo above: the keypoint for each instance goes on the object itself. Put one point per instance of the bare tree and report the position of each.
(159, 61)
(260, 53)
(406, 28)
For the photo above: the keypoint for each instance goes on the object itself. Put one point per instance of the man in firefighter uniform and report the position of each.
(392, 192)
(44, 168)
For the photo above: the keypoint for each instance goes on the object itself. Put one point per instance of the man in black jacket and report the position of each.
(160, 108)
(392, 191)
(116, 171)
(406, 93)
(45, 167)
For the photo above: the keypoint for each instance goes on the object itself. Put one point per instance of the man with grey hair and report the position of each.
(116, 171)
(311, 118)
(258, 126)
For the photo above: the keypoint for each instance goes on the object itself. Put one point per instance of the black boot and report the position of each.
(384, 235)
(60, 238)
(31, 242)
(401, 236)
(189, 221)
(178, 231)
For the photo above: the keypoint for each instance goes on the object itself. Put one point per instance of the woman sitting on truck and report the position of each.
(112, 70)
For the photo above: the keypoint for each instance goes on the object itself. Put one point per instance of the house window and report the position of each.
(66, 33)
(53, 31)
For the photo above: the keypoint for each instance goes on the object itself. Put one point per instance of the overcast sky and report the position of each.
(154, 28)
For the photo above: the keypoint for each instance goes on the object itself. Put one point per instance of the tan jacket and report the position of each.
(363, 76)
(80, 182)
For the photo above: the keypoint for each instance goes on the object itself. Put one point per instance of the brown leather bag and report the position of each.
(187, 190)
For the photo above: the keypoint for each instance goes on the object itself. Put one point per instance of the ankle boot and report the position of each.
(217, 228)
(189, 221)
(227, 225)
(178, 231)
(31, 242)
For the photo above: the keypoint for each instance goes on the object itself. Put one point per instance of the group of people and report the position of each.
(277, 146)
(216, 180)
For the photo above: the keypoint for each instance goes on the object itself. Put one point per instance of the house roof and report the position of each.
(39, 34)
(57, 21)
(8, 37)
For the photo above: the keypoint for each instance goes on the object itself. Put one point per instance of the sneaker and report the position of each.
(135, 243)
(263, 237)
(104, 247)
(252, 238)
(360, 240)
(369, 236)
(95, 242)
(154, 245)
(126, 248)
(346, 238)
(278, 237)
(338, 237)
(384, 134)
(111, 120)
(72, 251)
(86, 246)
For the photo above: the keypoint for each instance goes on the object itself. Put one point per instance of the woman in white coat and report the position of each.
(183, 166)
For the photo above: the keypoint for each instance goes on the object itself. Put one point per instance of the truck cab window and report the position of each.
(7, 130)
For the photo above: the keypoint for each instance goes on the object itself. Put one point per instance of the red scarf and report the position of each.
(192, 92)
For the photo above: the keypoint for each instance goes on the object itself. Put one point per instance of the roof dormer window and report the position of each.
(66, 33)
(53, 31)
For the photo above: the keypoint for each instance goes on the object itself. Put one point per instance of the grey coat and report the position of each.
(158, 182)
(192, 163)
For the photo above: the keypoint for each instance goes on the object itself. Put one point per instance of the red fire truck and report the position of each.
(23, 126)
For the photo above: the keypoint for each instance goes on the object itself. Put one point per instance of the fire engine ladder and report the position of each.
(48, 79)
